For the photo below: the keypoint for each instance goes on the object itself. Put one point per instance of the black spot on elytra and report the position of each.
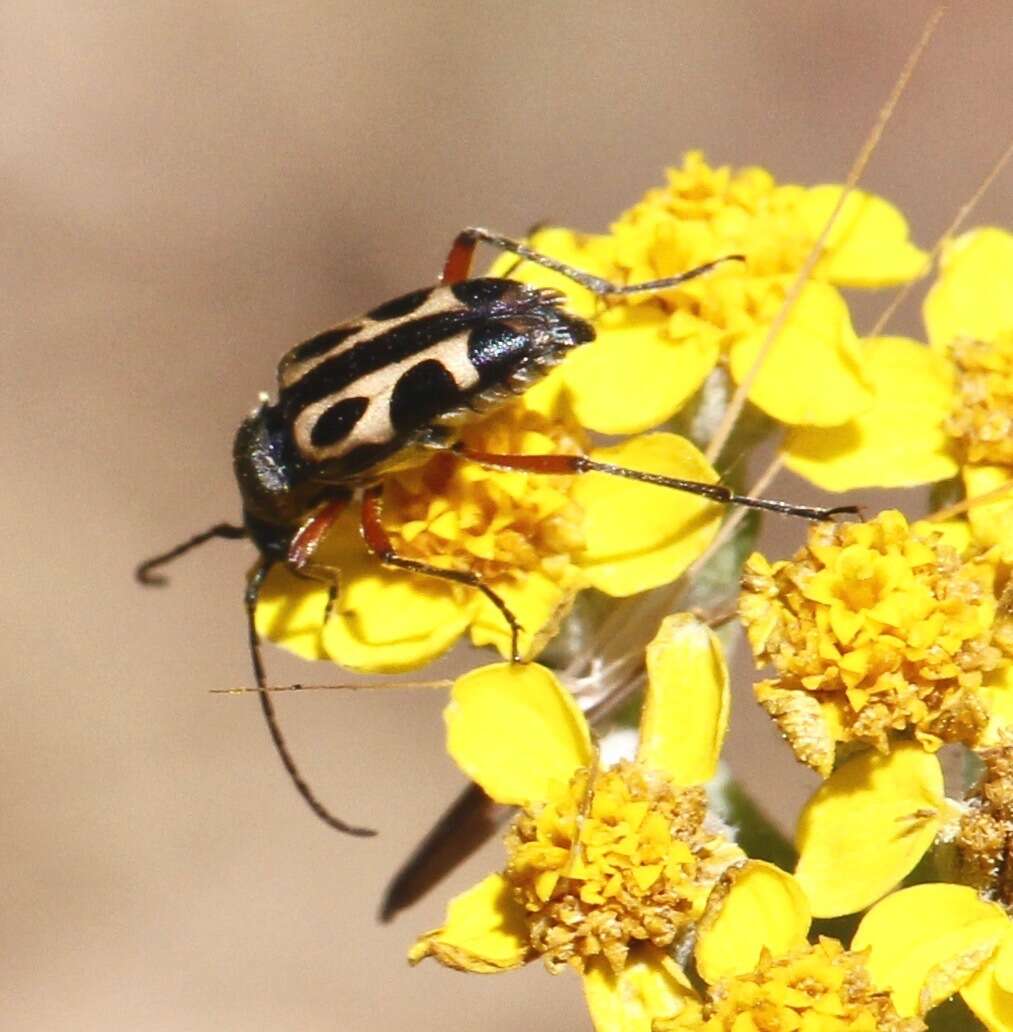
(320, 344)
(496, 349)
(476, 293)
(337, 422)
(424, 391)
(400, 306)
(338, 372)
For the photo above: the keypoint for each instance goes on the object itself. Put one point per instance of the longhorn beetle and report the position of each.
(379, 393)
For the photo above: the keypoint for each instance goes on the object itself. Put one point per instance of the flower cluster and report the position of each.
(884, 639)
(654, 352)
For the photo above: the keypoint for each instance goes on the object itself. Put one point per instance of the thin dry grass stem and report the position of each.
(970, 503)
(363, 686)
(738, 401)
(962, 215)
(618, 650)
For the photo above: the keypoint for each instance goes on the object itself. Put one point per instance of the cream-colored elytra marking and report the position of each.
(440, 300)
(375, 426)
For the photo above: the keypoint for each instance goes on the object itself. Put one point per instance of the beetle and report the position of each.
(379, 393)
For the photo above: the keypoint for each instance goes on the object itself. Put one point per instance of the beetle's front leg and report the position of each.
(379, 543)
(458, 265)
(303, 545)
(573, 464)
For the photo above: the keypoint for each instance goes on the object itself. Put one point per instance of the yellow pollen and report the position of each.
(880, 625)
(630, 857)
(456, 514)
(982, 418)
(821, 988)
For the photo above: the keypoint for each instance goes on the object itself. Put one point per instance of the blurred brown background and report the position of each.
(189, 188)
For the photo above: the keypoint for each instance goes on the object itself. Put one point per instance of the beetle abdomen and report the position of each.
(361, 393)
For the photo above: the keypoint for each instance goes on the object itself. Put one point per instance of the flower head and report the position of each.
(821, 987)
(654, 351)
(982, 416)
(984, 838)
(536, 540)
(874, 629)
(616, 857)
(608, 869)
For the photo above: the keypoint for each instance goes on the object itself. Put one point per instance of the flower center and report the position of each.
(500, 524)
(820, 987)
(616, 857)
(883, 624)
(982, 418)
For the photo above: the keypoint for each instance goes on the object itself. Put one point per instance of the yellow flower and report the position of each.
(937, 408)
(930, 941)
(874, 629)
(654, 352)
(609, 870)
(817, 988)
(536, 540)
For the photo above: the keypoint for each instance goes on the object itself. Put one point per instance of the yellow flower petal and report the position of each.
(991, 522)
(515, 730)
(992, 1005)
(972, 296)
(639, 536)
(685, 714)
(291, 613)
(900, 440)
(867, 826)
(633, 377)
(538, 602)
(388, 621)
(485, 931)
(765, 908)
(813, 373)
(868, 245)
(650, 986)
(915, 934)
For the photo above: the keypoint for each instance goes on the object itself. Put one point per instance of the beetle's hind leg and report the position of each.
(379, 543)
(573, 464)
(458, 265)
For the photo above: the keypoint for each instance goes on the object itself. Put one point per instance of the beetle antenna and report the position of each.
(144, 573)
(267, 706)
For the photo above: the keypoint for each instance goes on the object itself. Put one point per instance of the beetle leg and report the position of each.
(573, 464)
(379, 543)
(458, 265)
(304, 543)
(253, 587)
